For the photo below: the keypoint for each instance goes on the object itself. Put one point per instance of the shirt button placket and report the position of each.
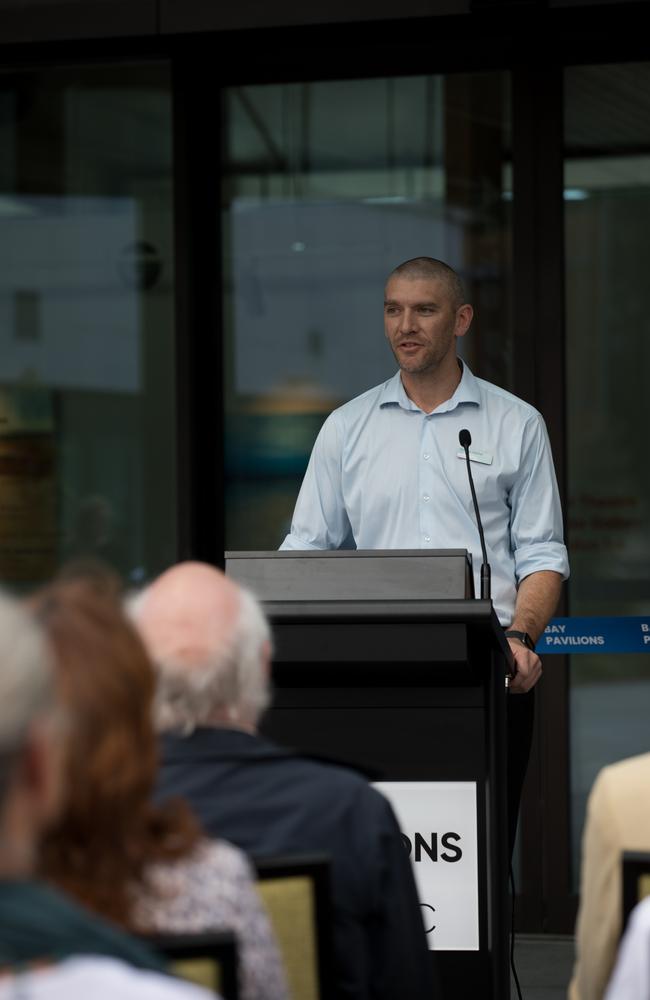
(425, 486)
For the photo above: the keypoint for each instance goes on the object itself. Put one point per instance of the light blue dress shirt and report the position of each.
(383, 474)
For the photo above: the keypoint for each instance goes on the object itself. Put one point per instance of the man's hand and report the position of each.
(528, 667)
(537, 599)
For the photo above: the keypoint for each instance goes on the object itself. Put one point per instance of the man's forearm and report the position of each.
(537, 599)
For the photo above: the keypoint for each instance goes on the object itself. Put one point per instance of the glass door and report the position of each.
(607, 201)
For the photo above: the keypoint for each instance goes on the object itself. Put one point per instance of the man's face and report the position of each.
(421, 323)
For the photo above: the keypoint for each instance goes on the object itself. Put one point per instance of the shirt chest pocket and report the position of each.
(491, 490)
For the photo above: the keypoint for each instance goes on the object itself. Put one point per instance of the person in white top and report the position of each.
(631, 977)
(99, 978)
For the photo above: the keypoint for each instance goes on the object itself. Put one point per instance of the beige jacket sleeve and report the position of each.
(599, 916)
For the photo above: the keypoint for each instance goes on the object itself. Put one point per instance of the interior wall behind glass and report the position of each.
(607, 199)
(327, 187)
(87, 419)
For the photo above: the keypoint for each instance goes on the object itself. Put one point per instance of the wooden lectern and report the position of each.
(384, 659)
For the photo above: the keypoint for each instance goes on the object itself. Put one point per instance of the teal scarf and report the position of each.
(39, 924)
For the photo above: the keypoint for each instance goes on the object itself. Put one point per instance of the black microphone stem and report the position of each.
(486, 576)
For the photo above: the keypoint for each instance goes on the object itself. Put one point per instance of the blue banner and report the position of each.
(625, 634)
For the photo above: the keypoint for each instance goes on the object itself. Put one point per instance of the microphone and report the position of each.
(465, 440)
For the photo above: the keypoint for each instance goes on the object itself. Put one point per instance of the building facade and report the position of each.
(198, 205)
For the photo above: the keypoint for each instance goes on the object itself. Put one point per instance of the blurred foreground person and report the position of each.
(49, 947)
(617, 820)
(146, 868)
(211, 644)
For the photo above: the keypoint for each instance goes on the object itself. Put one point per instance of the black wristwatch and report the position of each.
(522, 636)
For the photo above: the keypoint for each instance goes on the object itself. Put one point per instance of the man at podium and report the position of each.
(387, 472)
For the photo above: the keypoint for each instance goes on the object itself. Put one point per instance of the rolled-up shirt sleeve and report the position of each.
(536, 515)
(320, 520)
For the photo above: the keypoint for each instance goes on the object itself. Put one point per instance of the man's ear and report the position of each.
(464, 317)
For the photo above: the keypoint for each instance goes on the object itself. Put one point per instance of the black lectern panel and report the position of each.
(370, 668)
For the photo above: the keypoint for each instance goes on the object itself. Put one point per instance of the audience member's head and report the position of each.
(108, 831)
(211, 645)
(31, 739)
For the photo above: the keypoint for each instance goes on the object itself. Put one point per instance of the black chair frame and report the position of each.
(316, 867)
(218, 946)
(634, 865)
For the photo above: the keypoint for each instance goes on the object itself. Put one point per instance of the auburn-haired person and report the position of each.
(146, 867)
(109, 832)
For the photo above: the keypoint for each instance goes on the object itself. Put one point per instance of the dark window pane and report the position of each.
(87, 424)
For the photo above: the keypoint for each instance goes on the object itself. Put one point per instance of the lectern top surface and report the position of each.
(395, 574)
(348, 554)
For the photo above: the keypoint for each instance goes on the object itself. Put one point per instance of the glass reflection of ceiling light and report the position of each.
(570, 194)
(387, 199)
(298, 246)
(575, 194)
(14, 207)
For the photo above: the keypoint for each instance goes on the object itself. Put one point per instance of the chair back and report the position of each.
(635, 881)
(208, 959)
(296, 892)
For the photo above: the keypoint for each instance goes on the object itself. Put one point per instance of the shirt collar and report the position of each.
(467, 391)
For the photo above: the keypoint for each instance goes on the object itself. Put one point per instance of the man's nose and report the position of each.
(408, 322)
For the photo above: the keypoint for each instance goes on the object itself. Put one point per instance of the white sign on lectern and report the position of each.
(438, 820)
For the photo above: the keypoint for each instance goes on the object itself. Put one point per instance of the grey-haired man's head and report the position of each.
(211, 646)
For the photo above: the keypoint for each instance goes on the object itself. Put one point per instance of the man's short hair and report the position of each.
(429, 268)
(234, 680)
(26, 682)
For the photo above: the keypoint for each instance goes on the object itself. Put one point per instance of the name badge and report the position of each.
(484, 457)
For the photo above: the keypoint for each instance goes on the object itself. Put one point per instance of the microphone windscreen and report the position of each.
(465, 438)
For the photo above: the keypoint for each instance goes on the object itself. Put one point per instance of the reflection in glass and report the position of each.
(327, 187)
(87, 423)
(607, 198)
